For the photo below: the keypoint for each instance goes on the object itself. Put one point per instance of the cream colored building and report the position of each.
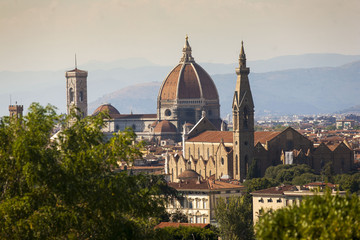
(200, 196)
(271, 199)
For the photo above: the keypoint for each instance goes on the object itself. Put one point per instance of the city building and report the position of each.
(274, 198)
(199, 196)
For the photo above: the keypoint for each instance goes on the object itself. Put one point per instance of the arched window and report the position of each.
(208, 151)
(198, 152)
(210, 173)
(71, 94)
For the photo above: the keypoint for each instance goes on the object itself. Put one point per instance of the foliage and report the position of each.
(253, 170)
(234, 218)
(66, 187)
(331, 127)
(258, 184)
(306, 178)
(348, 182)
(187, 233)
(328, 172)
(178, 216)
(286, 173)
(318, 217)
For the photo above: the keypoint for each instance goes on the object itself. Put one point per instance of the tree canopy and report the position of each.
(234, 218)
(317, 217)
(67, 187)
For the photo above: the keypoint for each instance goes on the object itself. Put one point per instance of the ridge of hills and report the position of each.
(295, 91)
(309, 83)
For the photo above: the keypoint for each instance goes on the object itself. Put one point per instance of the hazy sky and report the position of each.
(45, 34)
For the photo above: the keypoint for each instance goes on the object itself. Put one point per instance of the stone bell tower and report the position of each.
(243, 120)
(76, 90)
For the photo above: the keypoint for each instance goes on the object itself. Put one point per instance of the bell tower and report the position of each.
(243, 120)
(76, 90)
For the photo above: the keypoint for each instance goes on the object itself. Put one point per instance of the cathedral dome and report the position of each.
(107, 107)
(188, 80)
(165, 127)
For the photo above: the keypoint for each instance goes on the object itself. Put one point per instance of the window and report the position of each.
(269, 200)
(236, 164)
(222, 161)
(197, 204)
(190, 204)
(81, 96)
(246, 164)
(198, 219)
(117, 127)
(204, 220)
(198, 152)
(208, 151)
(191, 220)
(167, 112)
(279, 200)
(204, 204)
(246, 118)
(71, 94)
(210, 173)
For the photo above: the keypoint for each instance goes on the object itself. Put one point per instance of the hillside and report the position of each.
(297, 91)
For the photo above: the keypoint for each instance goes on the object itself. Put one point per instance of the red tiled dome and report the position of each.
(165, 127)
(112, 111)
(188, 80)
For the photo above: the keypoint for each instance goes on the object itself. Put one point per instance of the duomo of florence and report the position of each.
(188, 112)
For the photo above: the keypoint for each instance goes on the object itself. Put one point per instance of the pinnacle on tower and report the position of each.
(242, 56)
(186, 57)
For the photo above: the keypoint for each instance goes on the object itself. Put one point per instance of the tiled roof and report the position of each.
(110, 109)
(227, 136)
(275, 190)
(176, 225)
(204, 185)
(165, 127)
(213, 136)
(264, 136)
(188, 81)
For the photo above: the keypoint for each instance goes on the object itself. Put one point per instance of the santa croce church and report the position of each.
(188, 111)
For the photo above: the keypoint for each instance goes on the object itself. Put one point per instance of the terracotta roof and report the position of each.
(111, 110)
(186, 81)
(227, 136)
(213, 136)
(332, 147)
(264, 136)
(188, 174)
(165, 127)
(176, 225)
(193, 184)
(275, 190)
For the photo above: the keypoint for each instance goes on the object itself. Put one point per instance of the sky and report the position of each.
(45, 34)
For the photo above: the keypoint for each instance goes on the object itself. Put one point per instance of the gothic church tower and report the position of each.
(243, 121)
(76, 90)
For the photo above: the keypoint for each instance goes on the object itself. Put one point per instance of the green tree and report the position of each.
(67, 187)
(234, 218)
(187, 233)
(318, 217)
(286, 173)
(178, 216)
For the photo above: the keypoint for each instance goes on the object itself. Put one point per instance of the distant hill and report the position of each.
(278, 81)
(297, 91)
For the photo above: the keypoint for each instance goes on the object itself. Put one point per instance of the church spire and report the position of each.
(242, 56)
(186, 57)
